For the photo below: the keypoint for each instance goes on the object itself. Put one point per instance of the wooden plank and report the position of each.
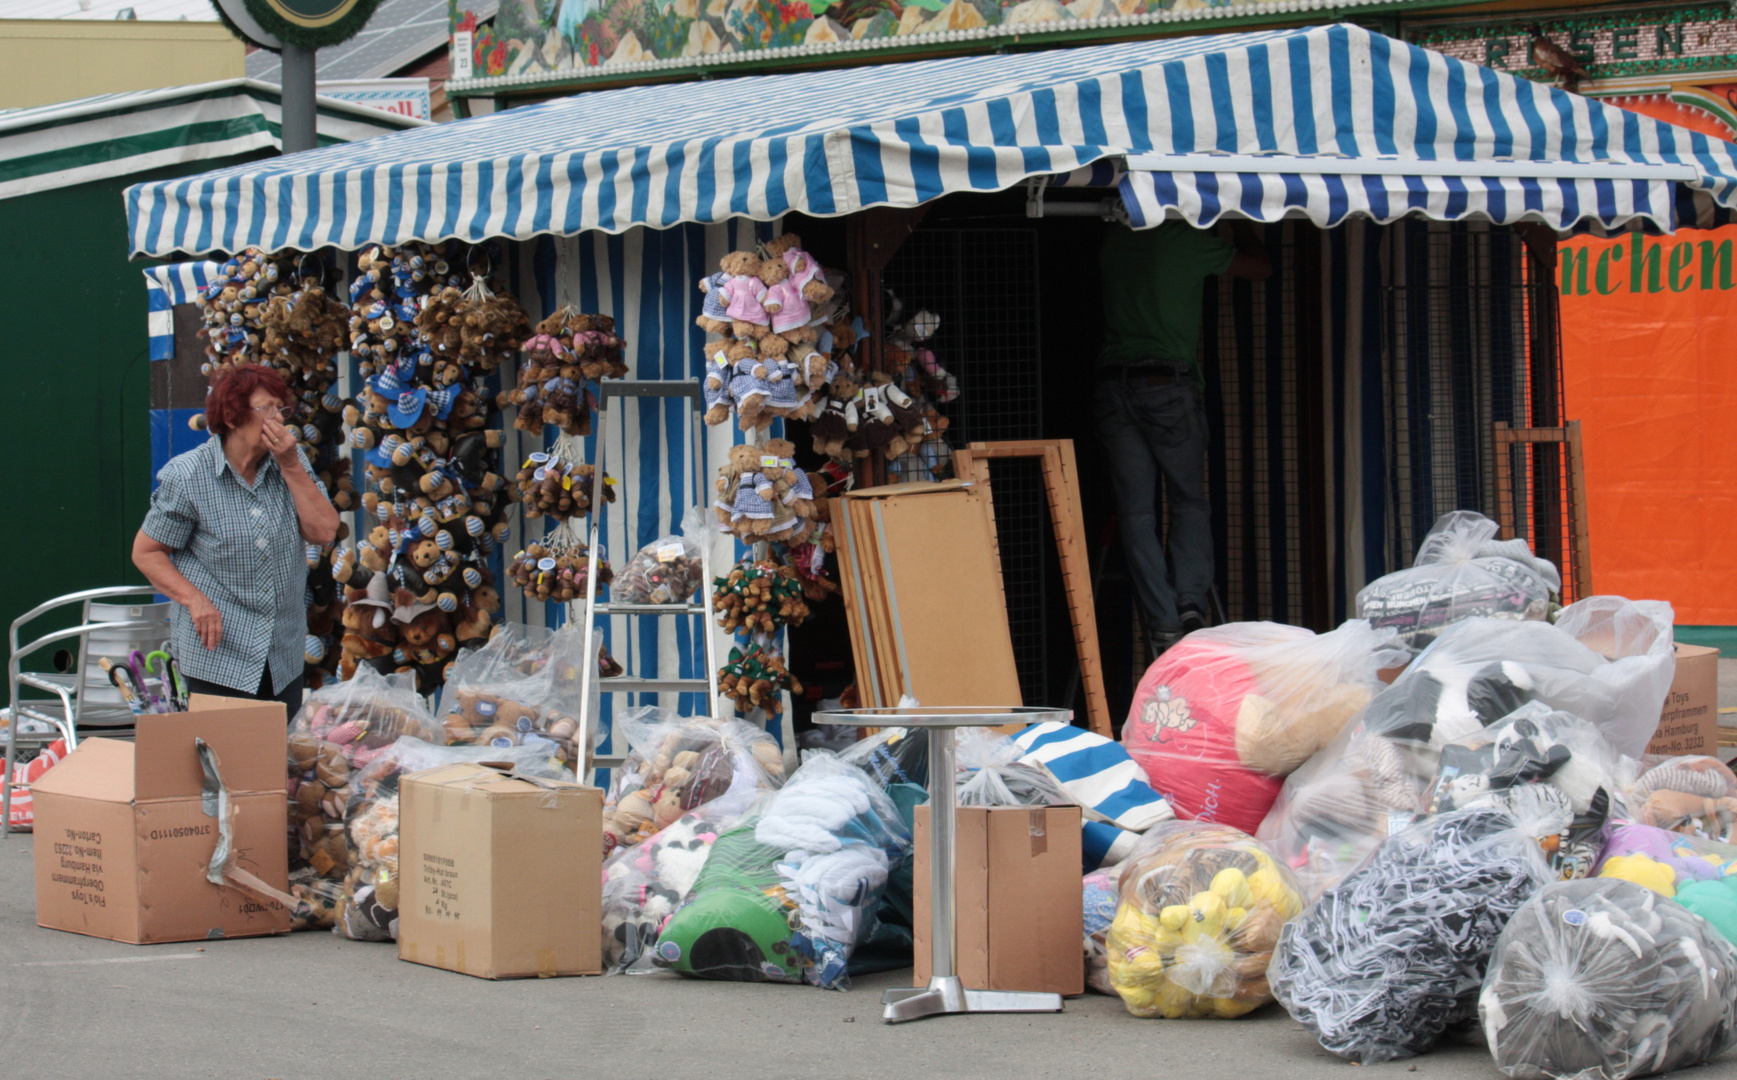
(855, 602)
(1582, 531)
(1504, 481)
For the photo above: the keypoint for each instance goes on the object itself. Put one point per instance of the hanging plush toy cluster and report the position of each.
(555, 570)
(764, 495)
(559, 484)
(758, 598)
(927, 385)
(755, 678)
(427, 327)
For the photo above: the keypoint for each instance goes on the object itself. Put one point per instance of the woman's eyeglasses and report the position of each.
(282, 412)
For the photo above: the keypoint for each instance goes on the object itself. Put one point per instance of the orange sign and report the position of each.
(1649, 356)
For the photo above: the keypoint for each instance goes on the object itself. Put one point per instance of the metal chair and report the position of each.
(64, 704)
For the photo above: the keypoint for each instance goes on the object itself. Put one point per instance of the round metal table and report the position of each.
(945, 993)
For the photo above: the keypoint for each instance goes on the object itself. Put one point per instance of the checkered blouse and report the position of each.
(242, 547)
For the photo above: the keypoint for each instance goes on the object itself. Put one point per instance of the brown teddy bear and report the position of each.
(744, 295)
(836, 424)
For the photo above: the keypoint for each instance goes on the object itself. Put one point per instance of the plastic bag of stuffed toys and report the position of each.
(520, 689)
(1386, 961)
(669, 570)
(1461, 570)
(368, 907)
(1606, 660)
(338, 733)
(990, 774)
(676, 764)
(709, 773)
(1227, 713)
(1200, 911)
(1605, 980)
(1534, 762)
(1693, 795)
(784, 896)
(1699, 874)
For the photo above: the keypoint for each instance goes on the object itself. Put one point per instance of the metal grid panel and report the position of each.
(983, 283)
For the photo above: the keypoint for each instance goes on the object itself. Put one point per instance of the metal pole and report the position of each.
(299, 131)
(942, 961)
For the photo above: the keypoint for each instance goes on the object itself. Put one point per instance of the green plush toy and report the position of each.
(737, 926)
(1715, 901)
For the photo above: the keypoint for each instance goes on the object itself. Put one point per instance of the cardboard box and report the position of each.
(500, 877)
(1689, 722)
(123, 840)
(1016, 890)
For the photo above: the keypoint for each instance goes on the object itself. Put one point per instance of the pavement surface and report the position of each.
(313, 1006)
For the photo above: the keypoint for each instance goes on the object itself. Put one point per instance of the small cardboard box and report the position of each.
(1016, 891)
(123, 839)
(1689, 722)
(500, 877)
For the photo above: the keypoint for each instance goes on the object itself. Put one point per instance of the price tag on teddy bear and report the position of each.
(669, 552)
(769, 462)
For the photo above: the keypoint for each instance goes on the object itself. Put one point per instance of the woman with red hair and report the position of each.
(226, 541)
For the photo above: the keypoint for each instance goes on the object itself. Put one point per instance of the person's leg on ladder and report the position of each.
(1134, 476)
(1191, 554)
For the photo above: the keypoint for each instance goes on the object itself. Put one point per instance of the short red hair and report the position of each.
(226, 406)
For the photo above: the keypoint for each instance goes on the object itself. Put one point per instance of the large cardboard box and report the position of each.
(500, 877)
(1016, 890)
(124, 840)
(1689, 722)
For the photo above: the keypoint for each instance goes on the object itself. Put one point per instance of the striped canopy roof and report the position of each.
(836, 141)
(95, 138)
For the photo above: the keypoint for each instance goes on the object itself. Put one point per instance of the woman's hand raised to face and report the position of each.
(278, 441)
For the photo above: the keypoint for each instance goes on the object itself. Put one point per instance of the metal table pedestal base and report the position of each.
(946, 995)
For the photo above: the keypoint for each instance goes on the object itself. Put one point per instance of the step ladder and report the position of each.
(591, 683)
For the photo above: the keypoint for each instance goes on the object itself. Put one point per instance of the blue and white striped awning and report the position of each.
(166, 287)
(833, 142)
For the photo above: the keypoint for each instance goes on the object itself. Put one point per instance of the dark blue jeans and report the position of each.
(1157, 434)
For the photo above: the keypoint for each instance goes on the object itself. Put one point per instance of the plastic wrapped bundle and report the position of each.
(678, 764)
(1225, 714)
(990, 774)
(1384, 962)
(1608, 661)
(1461, 571)
(783, 897)
(1200, 910)
(645, 884)
(892, 756)
(520, 689)
(338, 733)
(669, 570)
(1536, 760)
(1699, 874)
(1099, 897)
(1693, 795)
(1604, 980)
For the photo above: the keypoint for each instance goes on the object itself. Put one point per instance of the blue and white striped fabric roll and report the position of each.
(1109, 786)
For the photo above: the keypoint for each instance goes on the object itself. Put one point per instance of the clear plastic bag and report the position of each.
(1535, 762)
(669, 570)
(1699, 874)
(785, 896)
(892, 756)
(1382, 964)
(1100, 895)
(1604, 980)
(339, 732)
(990, 774)
(520, 689)
(1373, 778)
(1201, 908)
(1225, 714)
(368, 908)
(1461, 571)
(1693, 795)
(679, 763)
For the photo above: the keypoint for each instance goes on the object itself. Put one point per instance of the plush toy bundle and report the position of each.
(763, 495)
(551, 390)
(1606, 660)
(1100, 896)
(336, 735)
(678, 764)
(520, 689)
(928, 385)
(669, 570)
(645, 884)
(1537, 762)
(991, 774)
(559, 484)
(756, 679)
(1382, 964)
(766, 315)
(784, 896)
(555, 571)
(271, 309)
(1605, 979)
(759, 598)
(1200, 911)
(1461, 571)
(1699, 874)
(591, 342)
(1693, 795)
(1227, 713)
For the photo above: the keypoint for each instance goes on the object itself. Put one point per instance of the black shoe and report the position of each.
(1158, 643)
(1192, 619)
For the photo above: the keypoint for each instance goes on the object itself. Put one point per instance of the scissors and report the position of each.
(136, 664)
(162, 665)
(123, 680)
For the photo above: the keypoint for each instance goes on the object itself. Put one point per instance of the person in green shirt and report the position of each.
(1148, 408)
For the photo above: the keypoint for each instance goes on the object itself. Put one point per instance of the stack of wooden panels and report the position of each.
(923, 592)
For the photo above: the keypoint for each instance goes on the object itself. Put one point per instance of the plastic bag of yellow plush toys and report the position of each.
(1200, 912)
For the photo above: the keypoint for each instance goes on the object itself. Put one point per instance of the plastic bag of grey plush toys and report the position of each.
(1603, 979)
